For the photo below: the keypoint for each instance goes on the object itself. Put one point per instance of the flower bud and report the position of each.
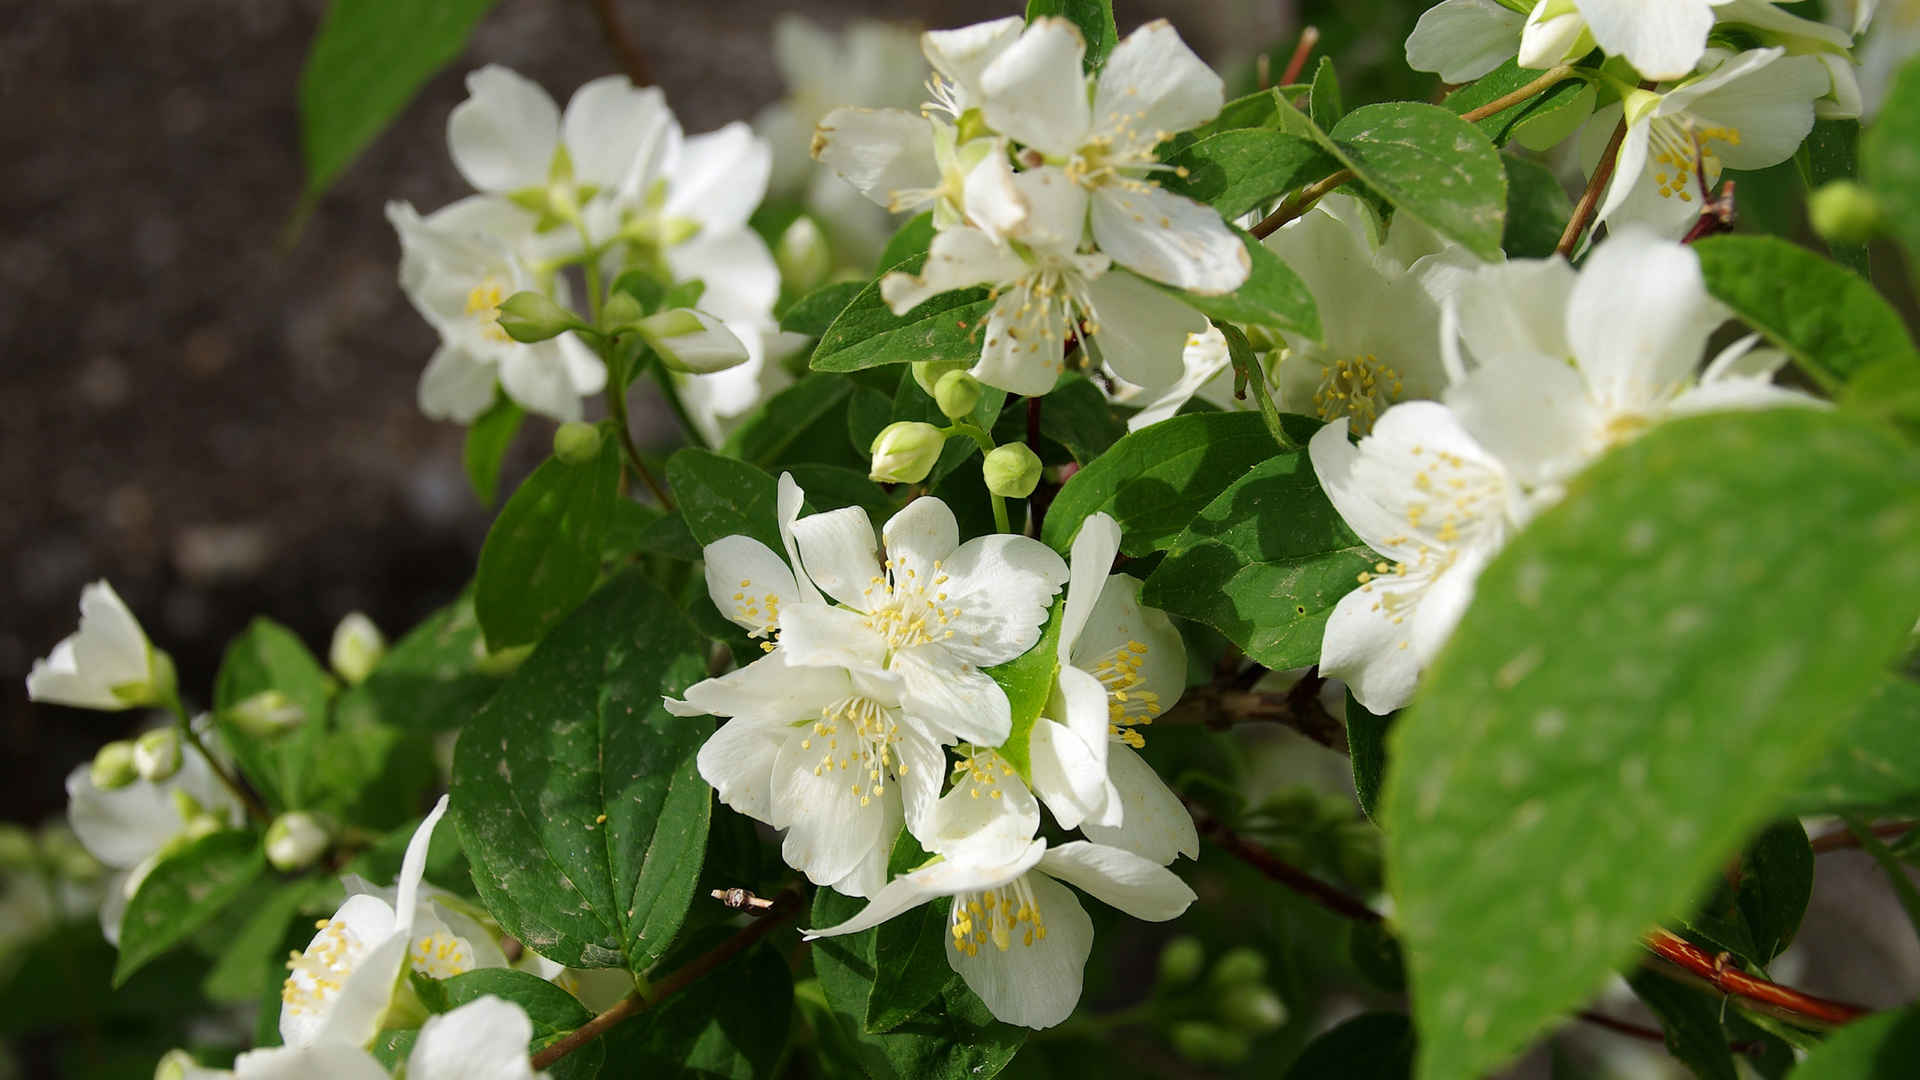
(177, 1065)
(266, 714)
(1181, 961)
(1012, 470)
(1253, 1008)
(1843, 212)
(156, 754)
(803, 255)
(1209, 1044)
(529, 316)
(904, 452)
(17, 849)
(577, 443)
(295, 840)
(113, 766)
(929, 372)
(621, 310)
(691, 341)
(356, 649)
(956, 393)
(1240, 965)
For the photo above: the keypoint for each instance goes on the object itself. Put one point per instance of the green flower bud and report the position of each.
(17, 849)
(356, 648)
(691, 341)
(156, 754)
(176, 1065)
(1253, 1008)
(113, 766)
(204, 825)
(928, 372)
(529, 316)
(267, 713)
(295, 840)
(1181, 961)
(620, 311)
(1240, 965)
(1209, 1044)
(803, 255)
(904, 452)
(956, 393)
(1843, 212)
(577, 443)
(1012, 471)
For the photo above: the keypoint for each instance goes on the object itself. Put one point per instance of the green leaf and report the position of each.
(1238, 170)
(554, 1013)
(372, 774)
(575, 792)
(1609, 723)
(268, 656)
(1897, 877)
(368, 59)
(1367, 750)
(251, 960)
(182, 892)
(1883, 1046)
(1758, 917)
(720, 496)
(1273, 295)
(1890, 158)
(814, 312)
(542, 555)
(914, 237)
(487, 442)
(1832, 153)
(910, 950)
(1431, 164)
(769, 435)
(868, 334)
(730, 1023)
(429, 680)
(1077, 416)
(1156, 479)
(1874, 764)
(1028, 681)
(1265, 562)
(1832, 321)
(1371, 1046)
(1537, 209)
(830, 487)
(1093, 17)
(1691, 1021)
(1323, 96)
(1539, 121)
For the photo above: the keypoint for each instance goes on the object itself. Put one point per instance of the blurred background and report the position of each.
(217, 414)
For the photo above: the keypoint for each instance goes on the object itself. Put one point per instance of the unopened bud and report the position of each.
(1209, 1044)
(1012, 471)
(905, 451)
(1843, 212)
(803, 255)
(113, 766)
(529, 316)
(1181, 961)
(691, 341)
(356, 649)
(956, 393)
(928, 373)
(1253, 1008)
(266, 714)
(17, 849)
(1240, 965)
(577, 443)
(620, 311)
(176, 1065)
(295, 840)
(156, 754)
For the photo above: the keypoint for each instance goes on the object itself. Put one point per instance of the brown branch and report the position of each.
(1299, 203)
(1843, 838)
(1278, 869)
(1590, 199)
(1507, 101)
(1299, 708)
(632, 60)
(640, 1001)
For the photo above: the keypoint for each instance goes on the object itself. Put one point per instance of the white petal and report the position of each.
(1169, 238)
(922, 533)
(1766, 97)
(738, 761)
(869, 876)
(742, 281)
(485, 1039)
(1035, 90)
(1120, 879)
(353, 1014)
(1515, 309)
(1631, 362)
(57, 680)
(815, 634)
(413, 867)
(124, 826)
(947, 877)
(991, 195)
(693, 341)
(1663, 39)
(1364, 646)
(839, 553)
(1001, 587)
(1033, 985)
(951, 697)
(1732, 394)
(1443, 604)
(1155, 650)
(1094, 547)
(921, 768)
(961, 55)
(1066, 773)
(1532, 411)
(1024, 343)
(993, 818)
(959, 258)
(503, 135)
(537, 377)
(1141, 332)
(1552, 38)
(335, 1062)
(825, 803)
(1152, 87)
(749, 584)
(616, 133)
(1056, 211)
(456, 385)
(1155, 825)
(1335, 463)
(1461, 40)
(719, 177)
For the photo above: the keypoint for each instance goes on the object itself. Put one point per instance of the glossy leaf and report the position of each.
(1093, 17)
(542, 555)
(184, 891)
(1431, 164)
(488, 439)
(268, 656)
(1236, 171)
(719, 496)
(1273, 295)
(867, 333)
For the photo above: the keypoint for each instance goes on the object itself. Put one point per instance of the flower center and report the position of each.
(908, 608)
(441, 956)
(981, 770)
(1127, 704)
(316, 975)
(1360, 388)
(997, 915)
(868, 732)
(1683, 154)
(483, 303)
(762, 610)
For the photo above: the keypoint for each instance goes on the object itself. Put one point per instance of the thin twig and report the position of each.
(1299, 708)
(1552, 77)
(617, 404)
(1301, 52)
(1301, 202)
(1648, 1034)
(1278, 869)
(632, 60)
(254, 807)
(1843, 838)
(1590, 199)
(640, 1001)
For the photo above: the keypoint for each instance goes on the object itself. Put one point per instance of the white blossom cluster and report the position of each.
(839, 735)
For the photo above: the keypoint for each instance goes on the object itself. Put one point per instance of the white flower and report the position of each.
(485, 1039)
(988, 812)
(1046, 286)
(1461, 40)
(870, 63)
(1151, 88)
(508, 135)
(928, 608)
(457, 265)
(1557, 366)
(1751, 112)
(106, 664)
(1207, 374)
(1018, 936)
(1436, 506)
(131, 828)
(1121, 665)
(341, 988)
